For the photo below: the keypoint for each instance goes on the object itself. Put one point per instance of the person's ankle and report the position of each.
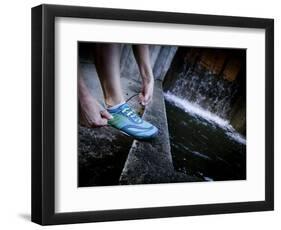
(113, 103)
(111, 108)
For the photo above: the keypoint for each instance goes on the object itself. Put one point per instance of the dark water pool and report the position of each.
(204, 147)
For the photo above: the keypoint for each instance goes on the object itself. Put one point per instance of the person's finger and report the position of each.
(141, 97)
(147, 99)
(146, 96)
(103, 121)
(99, 122)
(106, 114)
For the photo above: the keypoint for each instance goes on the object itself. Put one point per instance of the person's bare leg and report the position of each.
(141, 53)
(107, 60)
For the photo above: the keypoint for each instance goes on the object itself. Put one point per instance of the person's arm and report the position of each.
(141, 53)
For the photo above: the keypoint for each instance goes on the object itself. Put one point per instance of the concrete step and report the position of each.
(151, 162)
(102, 153)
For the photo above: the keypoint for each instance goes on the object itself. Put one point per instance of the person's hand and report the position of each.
(146, 91)
(92, 113)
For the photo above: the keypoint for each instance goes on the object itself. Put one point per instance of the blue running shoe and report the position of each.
(126, 120)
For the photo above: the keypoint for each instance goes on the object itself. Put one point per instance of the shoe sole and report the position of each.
(138, 138)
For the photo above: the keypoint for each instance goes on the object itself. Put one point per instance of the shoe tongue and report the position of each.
(125, 105)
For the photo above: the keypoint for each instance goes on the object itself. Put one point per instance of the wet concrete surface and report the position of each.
(150, 162)
(102, 153)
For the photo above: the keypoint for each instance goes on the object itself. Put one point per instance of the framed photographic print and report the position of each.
(142, 114)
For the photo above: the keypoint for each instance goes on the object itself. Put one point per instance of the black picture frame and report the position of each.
(43, 114)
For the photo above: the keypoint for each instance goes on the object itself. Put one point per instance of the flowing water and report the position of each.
(204, 89)
(203, 143)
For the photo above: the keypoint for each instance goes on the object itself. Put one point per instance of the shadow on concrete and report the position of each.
(25, 216)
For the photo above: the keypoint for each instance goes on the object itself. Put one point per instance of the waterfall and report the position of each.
(200, 93)
(202, 88)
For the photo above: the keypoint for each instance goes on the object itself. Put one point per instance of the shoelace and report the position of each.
(130, 113)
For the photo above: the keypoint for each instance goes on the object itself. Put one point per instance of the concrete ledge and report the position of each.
(151, 162)
(102, 153)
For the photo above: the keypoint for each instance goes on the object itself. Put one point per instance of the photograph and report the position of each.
(140, 114)
(151, 114)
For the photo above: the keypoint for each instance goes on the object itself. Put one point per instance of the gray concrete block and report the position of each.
(102, 153)
(164, 61)
(151, 161)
